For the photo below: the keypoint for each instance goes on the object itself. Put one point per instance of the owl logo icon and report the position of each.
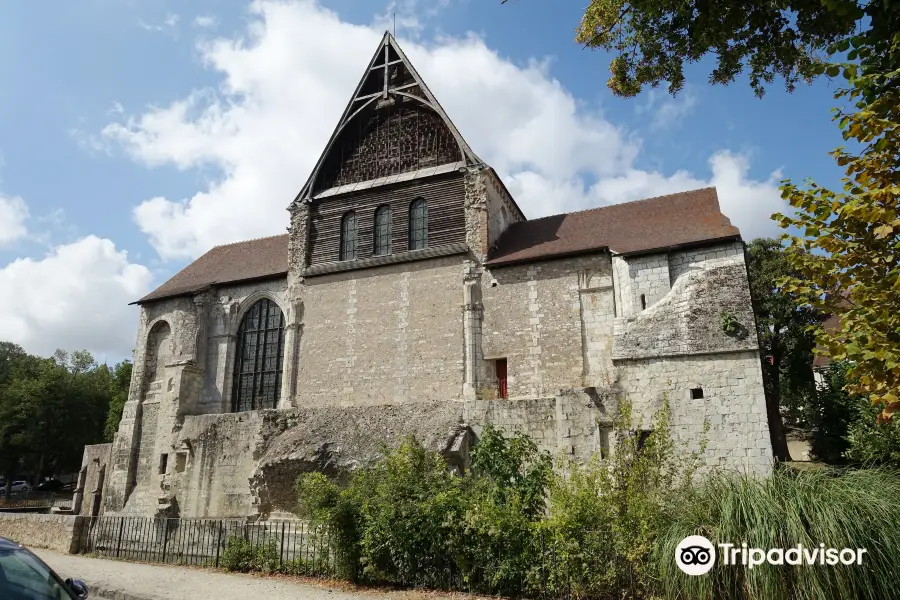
(695, 555)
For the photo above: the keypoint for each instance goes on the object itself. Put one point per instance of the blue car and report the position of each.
(24, 576)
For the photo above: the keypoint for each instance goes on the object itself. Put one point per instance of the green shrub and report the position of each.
(241, 556)
(604, 517)
(505, 498)
(852, 509)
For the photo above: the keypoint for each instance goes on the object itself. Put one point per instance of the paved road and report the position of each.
(118, 580)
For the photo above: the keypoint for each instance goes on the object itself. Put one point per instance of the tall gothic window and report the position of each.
(259, 358)
(382, 233)
(418, 224)
(348, 236)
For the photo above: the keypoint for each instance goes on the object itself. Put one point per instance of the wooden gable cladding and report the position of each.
(446, 216)
(400, 137)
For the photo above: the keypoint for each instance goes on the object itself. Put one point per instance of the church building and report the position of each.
(411, 294)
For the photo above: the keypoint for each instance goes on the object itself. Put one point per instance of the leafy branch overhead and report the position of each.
(653, 40)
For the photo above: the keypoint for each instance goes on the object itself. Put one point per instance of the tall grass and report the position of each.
(848, 509)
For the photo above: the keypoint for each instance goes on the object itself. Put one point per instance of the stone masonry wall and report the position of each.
(534, 317)
(55, 532)
(710, 284)
(733, 402)
(382, 336)
(246, 464)
(95, 464)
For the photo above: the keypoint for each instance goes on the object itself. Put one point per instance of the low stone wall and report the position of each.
(55, 532)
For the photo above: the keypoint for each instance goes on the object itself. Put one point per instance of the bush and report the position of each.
(852, 509)
(409, 520)
(604, 517)
(848, 428)
(241, 556)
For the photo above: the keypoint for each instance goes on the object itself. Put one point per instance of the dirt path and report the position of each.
(118, 580)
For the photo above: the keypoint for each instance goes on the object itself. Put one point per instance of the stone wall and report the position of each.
(733, 402)
(381, 336)
(247, 464)
(533, 317)
(568, 425)
(61, 533)
(688, 319)
(92, 479)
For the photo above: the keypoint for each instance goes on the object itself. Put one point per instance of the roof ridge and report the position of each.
(611, 204)
(265, 237)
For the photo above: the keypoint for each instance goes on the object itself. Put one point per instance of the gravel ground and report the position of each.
(119, 580)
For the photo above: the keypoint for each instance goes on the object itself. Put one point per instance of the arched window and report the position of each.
(348, 236)
(382, 233)
(418, 224)
(259, 358)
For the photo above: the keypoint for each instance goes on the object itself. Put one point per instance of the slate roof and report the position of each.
(675, 220)
(231, 263)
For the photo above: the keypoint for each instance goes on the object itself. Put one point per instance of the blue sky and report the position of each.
(136, 135)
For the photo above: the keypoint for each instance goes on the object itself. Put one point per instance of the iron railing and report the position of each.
(534, 568)
(294, 547)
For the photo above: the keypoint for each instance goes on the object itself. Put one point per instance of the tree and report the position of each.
(121, 381)
(50, 408)
(653, 39)
(785, 340)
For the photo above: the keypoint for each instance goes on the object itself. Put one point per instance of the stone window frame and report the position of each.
(236, 402)
(349, 236)
(381, 230)
(418, 224)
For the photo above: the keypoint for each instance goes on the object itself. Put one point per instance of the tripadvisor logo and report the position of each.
(696, 555)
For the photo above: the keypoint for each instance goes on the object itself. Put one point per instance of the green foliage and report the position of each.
(50, 408)
(848, 254)
(832, 412)
(605, 516)
(871, 440)
(652, 40)
(852, 509)
(783, 330)
(409, 519)
(729, 323)
(242, 556)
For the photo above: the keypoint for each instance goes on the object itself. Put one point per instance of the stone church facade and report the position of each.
(412, 295)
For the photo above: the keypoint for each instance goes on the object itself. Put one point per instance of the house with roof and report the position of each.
(412, 295)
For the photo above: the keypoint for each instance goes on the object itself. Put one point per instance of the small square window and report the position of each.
(696, 393)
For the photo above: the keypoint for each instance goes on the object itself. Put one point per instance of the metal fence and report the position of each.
(294, 547)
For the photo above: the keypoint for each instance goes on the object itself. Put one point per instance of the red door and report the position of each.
(501, 376)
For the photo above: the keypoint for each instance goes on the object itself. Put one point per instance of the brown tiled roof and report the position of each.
(253, 259)
(666, 221)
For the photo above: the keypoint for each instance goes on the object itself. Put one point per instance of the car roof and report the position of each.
(6, 544)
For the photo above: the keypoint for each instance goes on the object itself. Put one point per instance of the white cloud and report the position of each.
(169, 23)
(206, 21)
(288, 77)
(75, 297)
(13, 214)
(665, 112)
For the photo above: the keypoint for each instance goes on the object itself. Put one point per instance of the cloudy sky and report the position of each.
(135, 135)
